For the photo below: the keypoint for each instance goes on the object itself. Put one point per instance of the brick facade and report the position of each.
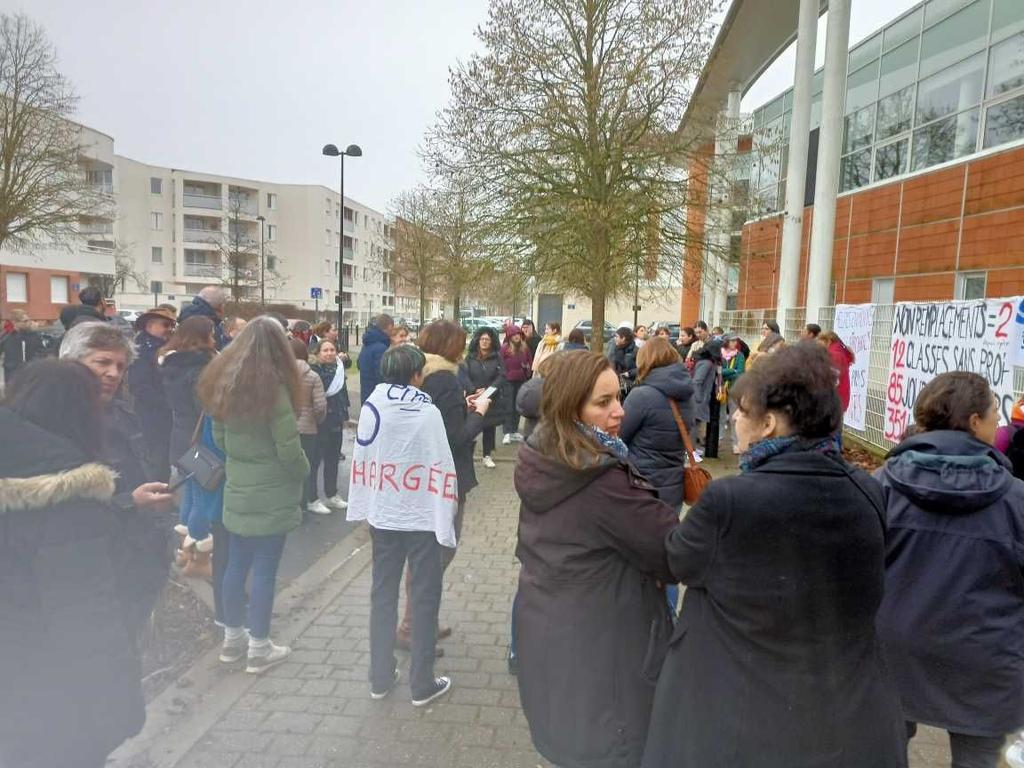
(920, 231)
(39, 306)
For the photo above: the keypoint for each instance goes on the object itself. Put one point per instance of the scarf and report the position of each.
(551, 342)
(338, 382)
(612, 445)
(761, 451)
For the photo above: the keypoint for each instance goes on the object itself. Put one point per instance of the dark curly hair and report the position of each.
(474, 345)
(799, 384)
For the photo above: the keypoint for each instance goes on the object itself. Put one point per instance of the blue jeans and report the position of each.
(260, 555)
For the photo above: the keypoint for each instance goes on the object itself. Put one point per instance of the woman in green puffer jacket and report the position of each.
(252, 391)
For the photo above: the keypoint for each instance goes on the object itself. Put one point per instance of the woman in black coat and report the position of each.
(182, 361)
(70, 670)
(484, 369)
(624, 358)
(774, 661)
(649, 427)
(953, 611)
(591, 618)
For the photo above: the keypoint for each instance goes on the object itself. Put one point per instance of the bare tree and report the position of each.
(125, 271)
(44, 191)
(240, 251)
(416, 264)
(567, 125)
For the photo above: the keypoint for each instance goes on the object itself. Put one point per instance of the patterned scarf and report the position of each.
(760, 452)
(613, 445)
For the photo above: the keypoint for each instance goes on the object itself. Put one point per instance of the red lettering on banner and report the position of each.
(412, 484)
(450, 481)
(372, 474)
(387, 473)
(431, 485)
(359, 472)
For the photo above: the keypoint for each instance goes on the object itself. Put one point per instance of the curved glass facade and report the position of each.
(942, 81)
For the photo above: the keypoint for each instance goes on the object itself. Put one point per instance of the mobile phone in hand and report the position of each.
(180, 482)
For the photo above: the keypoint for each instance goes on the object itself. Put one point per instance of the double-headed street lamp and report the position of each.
(263, 266)
(352, 150)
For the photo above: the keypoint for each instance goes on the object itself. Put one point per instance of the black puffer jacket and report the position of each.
(70, 667)
(624, 360)
(441, 382)
(180, 372)
(650, 430)
(147, 391)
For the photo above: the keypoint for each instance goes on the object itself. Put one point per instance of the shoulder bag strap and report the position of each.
(683, 431)
(198, 429)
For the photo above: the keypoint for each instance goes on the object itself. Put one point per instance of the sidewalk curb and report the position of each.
(180, 716)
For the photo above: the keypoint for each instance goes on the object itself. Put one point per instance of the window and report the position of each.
(902, 30)
(156, 254)
(327, 237)
(856, 170)
(865, 52)
(271, 231)
(335, 269)
(970, 285)
(347, 241)
(349, 214)
(271, 263)
(899, 68)
(327, 207)
(860, 129)
(366, 274)
(951, 90)
(157, 219)
(346, 270)
(939, 9)
(17, 287)
(1007, 17)
(156, 185)
(862, 87)
(271, 201)
(892, 159)
(1006, 66)
(945, 140)
(960, 35)
(883, 290)
(895, 113)
(1004, 122)
(195, 257)
(58, 289)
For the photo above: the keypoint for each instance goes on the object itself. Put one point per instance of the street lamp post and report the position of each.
(263, 266)
(352, 150)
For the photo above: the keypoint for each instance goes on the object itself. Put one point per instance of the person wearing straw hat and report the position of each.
(154, 328)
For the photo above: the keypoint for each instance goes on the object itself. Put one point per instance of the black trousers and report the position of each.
(390, 551)
(512, 418)
(330, 455)
(970, 751)
(488, 438)
(311, 447)
(448, 553)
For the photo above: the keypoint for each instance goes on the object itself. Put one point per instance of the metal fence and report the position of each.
(748, 323)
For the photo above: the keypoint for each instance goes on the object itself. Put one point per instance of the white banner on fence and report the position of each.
(933, 338)
(853, 324)
(1018, 335)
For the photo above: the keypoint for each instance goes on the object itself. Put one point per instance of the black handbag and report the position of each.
(200, 463)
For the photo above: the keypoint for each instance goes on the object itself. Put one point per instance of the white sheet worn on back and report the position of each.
(403, 475)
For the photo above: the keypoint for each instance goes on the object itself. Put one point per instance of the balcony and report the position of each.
(91, 228)
(196, 200)
(208, 236)
(349, 255)
(202, 270)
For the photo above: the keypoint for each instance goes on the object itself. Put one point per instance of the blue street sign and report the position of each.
(316, 293)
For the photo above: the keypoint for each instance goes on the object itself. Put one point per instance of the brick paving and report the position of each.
(315, 711)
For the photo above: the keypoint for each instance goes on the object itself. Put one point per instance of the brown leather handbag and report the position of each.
(695, 477)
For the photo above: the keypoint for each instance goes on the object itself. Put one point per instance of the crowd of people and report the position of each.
(801, 612)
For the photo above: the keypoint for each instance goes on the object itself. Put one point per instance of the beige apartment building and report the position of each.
(169, 232)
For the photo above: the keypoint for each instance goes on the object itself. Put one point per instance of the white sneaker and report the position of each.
(440, 687)
(234, 650)
(318, 508)
(506, 440)
(516, 437)
(488, 462)
(1015, 753)
(267, 658)
(336, 502)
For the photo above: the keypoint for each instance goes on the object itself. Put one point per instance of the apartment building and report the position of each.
(40, 280)
(285, 242)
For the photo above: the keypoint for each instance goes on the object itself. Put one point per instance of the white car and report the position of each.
(130, 315)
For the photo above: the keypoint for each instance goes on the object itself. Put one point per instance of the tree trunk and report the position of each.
(456, 306)
(600, 250)
(597, 321)
(423, 301)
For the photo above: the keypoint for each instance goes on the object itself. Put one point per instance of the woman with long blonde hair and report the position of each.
(253, 392)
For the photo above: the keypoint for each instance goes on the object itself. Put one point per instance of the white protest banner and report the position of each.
(1018, 336)
(933, 338)
(853, 324)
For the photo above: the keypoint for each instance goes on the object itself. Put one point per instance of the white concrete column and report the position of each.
(796, 181)
(725, 161)
(823, 227)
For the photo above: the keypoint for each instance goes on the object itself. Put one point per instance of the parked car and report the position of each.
(673, 330)
(131, 315)
(587, 327)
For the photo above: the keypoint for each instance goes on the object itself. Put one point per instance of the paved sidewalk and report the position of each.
(316, 711)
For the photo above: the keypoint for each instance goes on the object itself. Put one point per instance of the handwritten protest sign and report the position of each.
(853, 324)
(1018, 337)
(933, 338)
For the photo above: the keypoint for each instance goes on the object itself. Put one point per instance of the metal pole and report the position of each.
(263, 269)
(341, 244)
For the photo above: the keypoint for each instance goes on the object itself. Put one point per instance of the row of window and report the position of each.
(968, 287)
(156, 187)
(17, 288)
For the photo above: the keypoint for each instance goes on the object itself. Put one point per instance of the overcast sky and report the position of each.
(255, 89)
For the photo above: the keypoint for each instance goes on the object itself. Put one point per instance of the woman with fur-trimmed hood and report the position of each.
(70, 670)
